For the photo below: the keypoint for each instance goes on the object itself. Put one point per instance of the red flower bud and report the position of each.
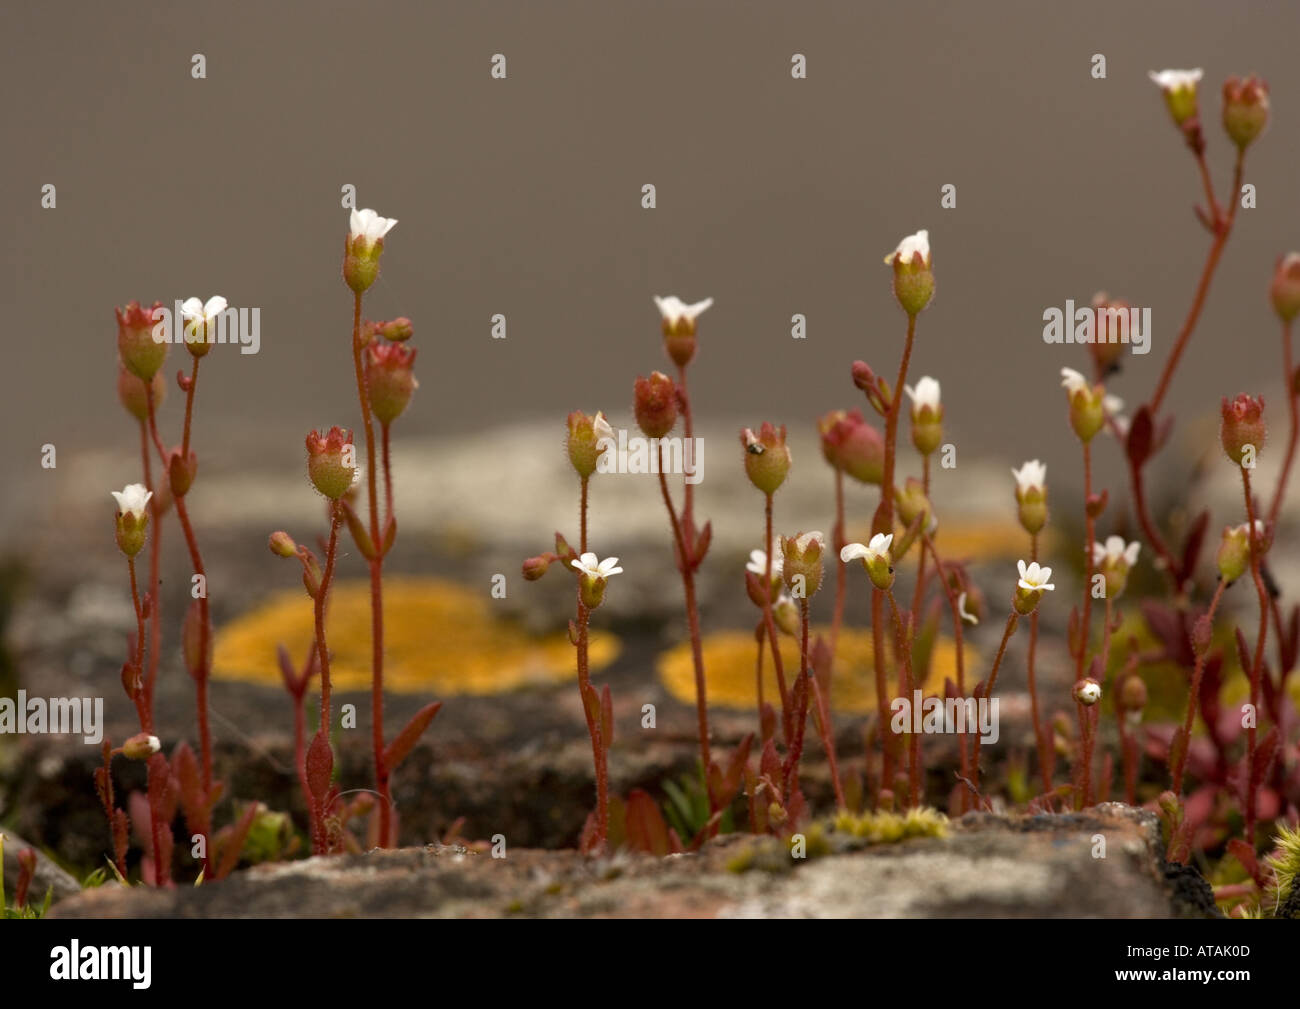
(655, 402)
(142, 355)
(1243, 425)
(331, 462)
(389, 379)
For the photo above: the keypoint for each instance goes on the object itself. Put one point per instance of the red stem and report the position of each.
(1257, 663)
(686, 567)
(1040, 736)
(906, 688)
(376, 591)
(1010, 629)
(1289, 374)
(778, 664)
(1194, 694)
(597, 743)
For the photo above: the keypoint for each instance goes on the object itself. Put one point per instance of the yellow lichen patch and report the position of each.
(439, 638)
(729, 663)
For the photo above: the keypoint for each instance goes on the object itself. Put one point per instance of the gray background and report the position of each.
(522, 196)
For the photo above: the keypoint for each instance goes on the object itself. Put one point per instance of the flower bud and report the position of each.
(786, 615)
(1284, 292)
(1243, 425)
(1179, 88)
(331, 462)
(655, 404)
(282, 544)
(1132, 693)
(767, 458)
(535, 567)
(1031, 495)
(853, 446)
(1087, 410)
(1087, 692)
(181, 472)
(389, 379)
(913, 277)
(1233, 558)
(398, 330)
(132, 517)
(679, 326)
(364, 246)
(1245, 109)
(1110, 330)
(1113, 560)
(588, 438)
(141, 746)
(801, 564)
(140, 352)
(927, 415)
(912, 504)
(133, 394)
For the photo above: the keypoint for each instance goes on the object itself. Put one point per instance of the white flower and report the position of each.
(1114, 550)
(370, 226)
(673, 309)
(601, 426)
(1244, 529)
(194, 310)
(803, 541)
(967, 616)
(758, 561)
(593, 568)
(925, 394)
(1033, 578)
(877, 549)
(1031, 476)
(1088, 692)
(132, 499)
(1073, 381)
(1176, 80)
(1112, 404)
(920, 242)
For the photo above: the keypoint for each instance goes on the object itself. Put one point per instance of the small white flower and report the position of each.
(966, 615)
(1244, 529)
(1088, 692)
(1176, 80)
(370, 226)
(1114, 550)
(590, 566)
(1033, 578)
(877, 549)
(1112, 404)
(194, 310)
(132, 499)
(1074, 382)
(925, 394)
(920, 242)
(758, 561)
(601, 426)
(1031, 476)
(805, 540)
(673, 309)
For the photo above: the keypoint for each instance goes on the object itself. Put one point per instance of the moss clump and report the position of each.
(890, 828)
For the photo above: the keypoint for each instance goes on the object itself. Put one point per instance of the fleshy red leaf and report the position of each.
(405, 740)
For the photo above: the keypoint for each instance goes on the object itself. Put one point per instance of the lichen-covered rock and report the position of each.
(1041, 866)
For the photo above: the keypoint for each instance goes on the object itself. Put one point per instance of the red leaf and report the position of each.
(1245, 854)
(645, 826)
(1138, 443)
(405, 741)
(233, 846)
(1193, 543)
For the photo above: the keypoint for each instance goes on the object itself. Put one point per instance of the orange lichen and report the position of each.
(439, 638)
(729, 658)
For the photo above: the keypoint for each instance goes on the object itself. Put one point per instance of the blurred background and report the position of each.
(523, 197)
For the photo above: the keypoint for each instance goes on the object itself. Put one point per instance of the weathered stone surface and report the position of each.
(989, 865)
